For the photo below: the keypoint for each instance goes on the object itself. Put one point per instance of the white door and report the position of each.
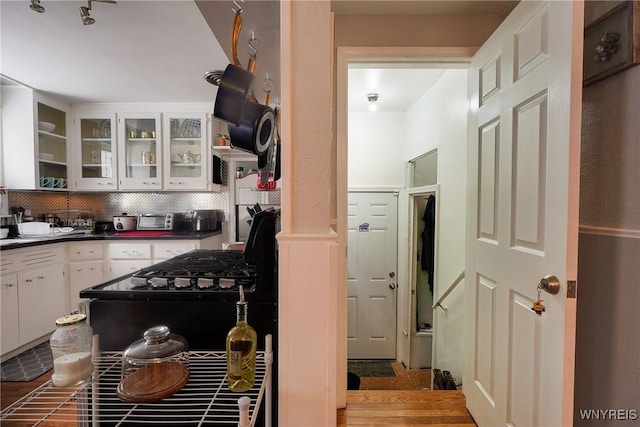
(524, 142)
(372, 262)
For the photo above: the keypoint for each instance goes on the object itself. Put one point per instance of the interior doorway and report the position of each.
(380, 145)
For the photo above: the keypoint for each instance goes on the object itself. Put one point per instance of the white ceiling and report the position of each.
(158, 50)
(137, 51)
(398, 88)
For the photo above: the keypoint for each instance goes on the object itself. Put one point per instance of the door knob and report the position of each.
(392, 285)
(550, 284)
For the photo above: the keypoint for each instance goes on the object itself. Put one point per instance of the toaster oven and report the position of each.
(167, 221)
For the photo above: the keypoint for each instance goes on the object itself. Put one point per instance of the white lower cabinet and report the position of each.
(125, 258)
(86, 269)
(10, 333)
(165, 251)
(42, 298)
(34, 294)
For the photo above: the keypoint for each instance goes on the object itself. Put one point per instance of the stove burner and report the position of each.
(205, 283)
(138, 283)
(182, 283)
(159, 282)
(235, 273)
(175, 273)
(227, 283)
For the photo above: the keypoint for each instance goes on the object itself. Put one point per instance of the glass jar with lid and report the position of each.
(157, 345)
(70, 347)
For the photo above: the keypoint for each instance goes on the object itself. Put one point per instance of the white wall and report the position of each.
(439, 120)
(380, 145)
(376, 141)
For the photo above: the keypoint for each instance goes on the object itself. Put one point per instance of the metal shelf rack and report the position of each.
(204, 401)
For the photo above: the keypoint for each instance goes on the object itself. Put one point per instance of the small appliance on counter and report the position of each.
(202, 220)
(124, 222)
(160, 222)
(105, 227)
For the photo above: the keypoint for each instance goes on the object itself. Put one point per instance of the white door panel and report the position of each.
(372, 256)
(525, 88)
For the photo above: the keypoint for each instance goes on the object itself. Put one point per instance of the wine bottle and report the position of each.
(241, 350)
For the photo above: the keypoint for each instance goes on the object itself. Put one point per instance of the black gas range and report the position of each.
(194, 294)
(199, 274)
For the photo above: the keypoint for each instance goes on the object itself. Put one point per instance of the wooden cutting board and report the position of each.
(153, 382)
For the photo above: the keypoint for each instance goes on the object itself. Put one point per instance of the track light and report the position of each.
(84, 14)
(84, 11)
(373, 99)
(36, 6)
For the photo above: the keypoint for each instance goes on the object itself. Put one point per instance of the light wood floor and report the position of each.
(404, 408)
(403, 400)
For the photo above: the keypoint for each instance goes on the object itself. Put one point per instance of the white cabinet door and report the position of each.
(85, 251)
(125, 258)
(42, 298)
(164, 251)
(130, 251)
(118, 268)
(82, 275)
(95, 158)
(10, 338)
(139, 151)
(186, 152)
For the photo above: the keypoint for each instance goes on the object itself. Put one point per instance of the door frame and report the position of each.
(436, 56)
(408, 265)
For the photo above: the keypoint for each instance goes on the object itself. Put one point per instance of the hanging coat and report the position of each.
(428, 239)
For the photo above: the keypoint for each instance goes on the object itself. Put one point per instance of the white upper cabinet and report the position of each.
(34, 140)
(187, 164)
(141, 148)
(139, 151)
(95, 163)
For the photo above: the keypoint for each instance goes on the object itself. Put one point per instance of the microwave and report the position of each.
(166, 221)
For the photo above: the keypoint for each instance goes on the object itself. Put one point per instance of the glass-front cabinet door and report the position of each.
(52, 148)
(185, 151)
(97, 155)
(140, 152)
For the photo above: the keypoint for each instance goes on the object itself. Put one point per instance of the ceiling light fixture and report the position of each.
(84, 14)
(36, 6)
(373, 99)
(84, 11)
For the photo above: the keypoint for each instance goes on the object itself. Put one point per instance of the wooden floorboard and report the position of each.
(401, 408)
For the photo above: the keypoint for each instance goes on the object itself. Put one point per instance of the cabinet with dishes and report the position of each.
(133, 149)
(139, 151)
(34, 140)
(186, 155)
(96, 155)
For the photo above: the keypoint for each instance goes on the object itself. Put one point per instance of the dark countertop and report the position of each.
(15, 243)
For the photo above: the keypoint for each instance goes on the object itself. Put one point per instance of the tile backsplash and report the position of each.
(103, 206)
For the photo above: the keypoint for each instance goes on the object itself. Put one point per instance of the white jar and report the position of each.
(71, 349)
